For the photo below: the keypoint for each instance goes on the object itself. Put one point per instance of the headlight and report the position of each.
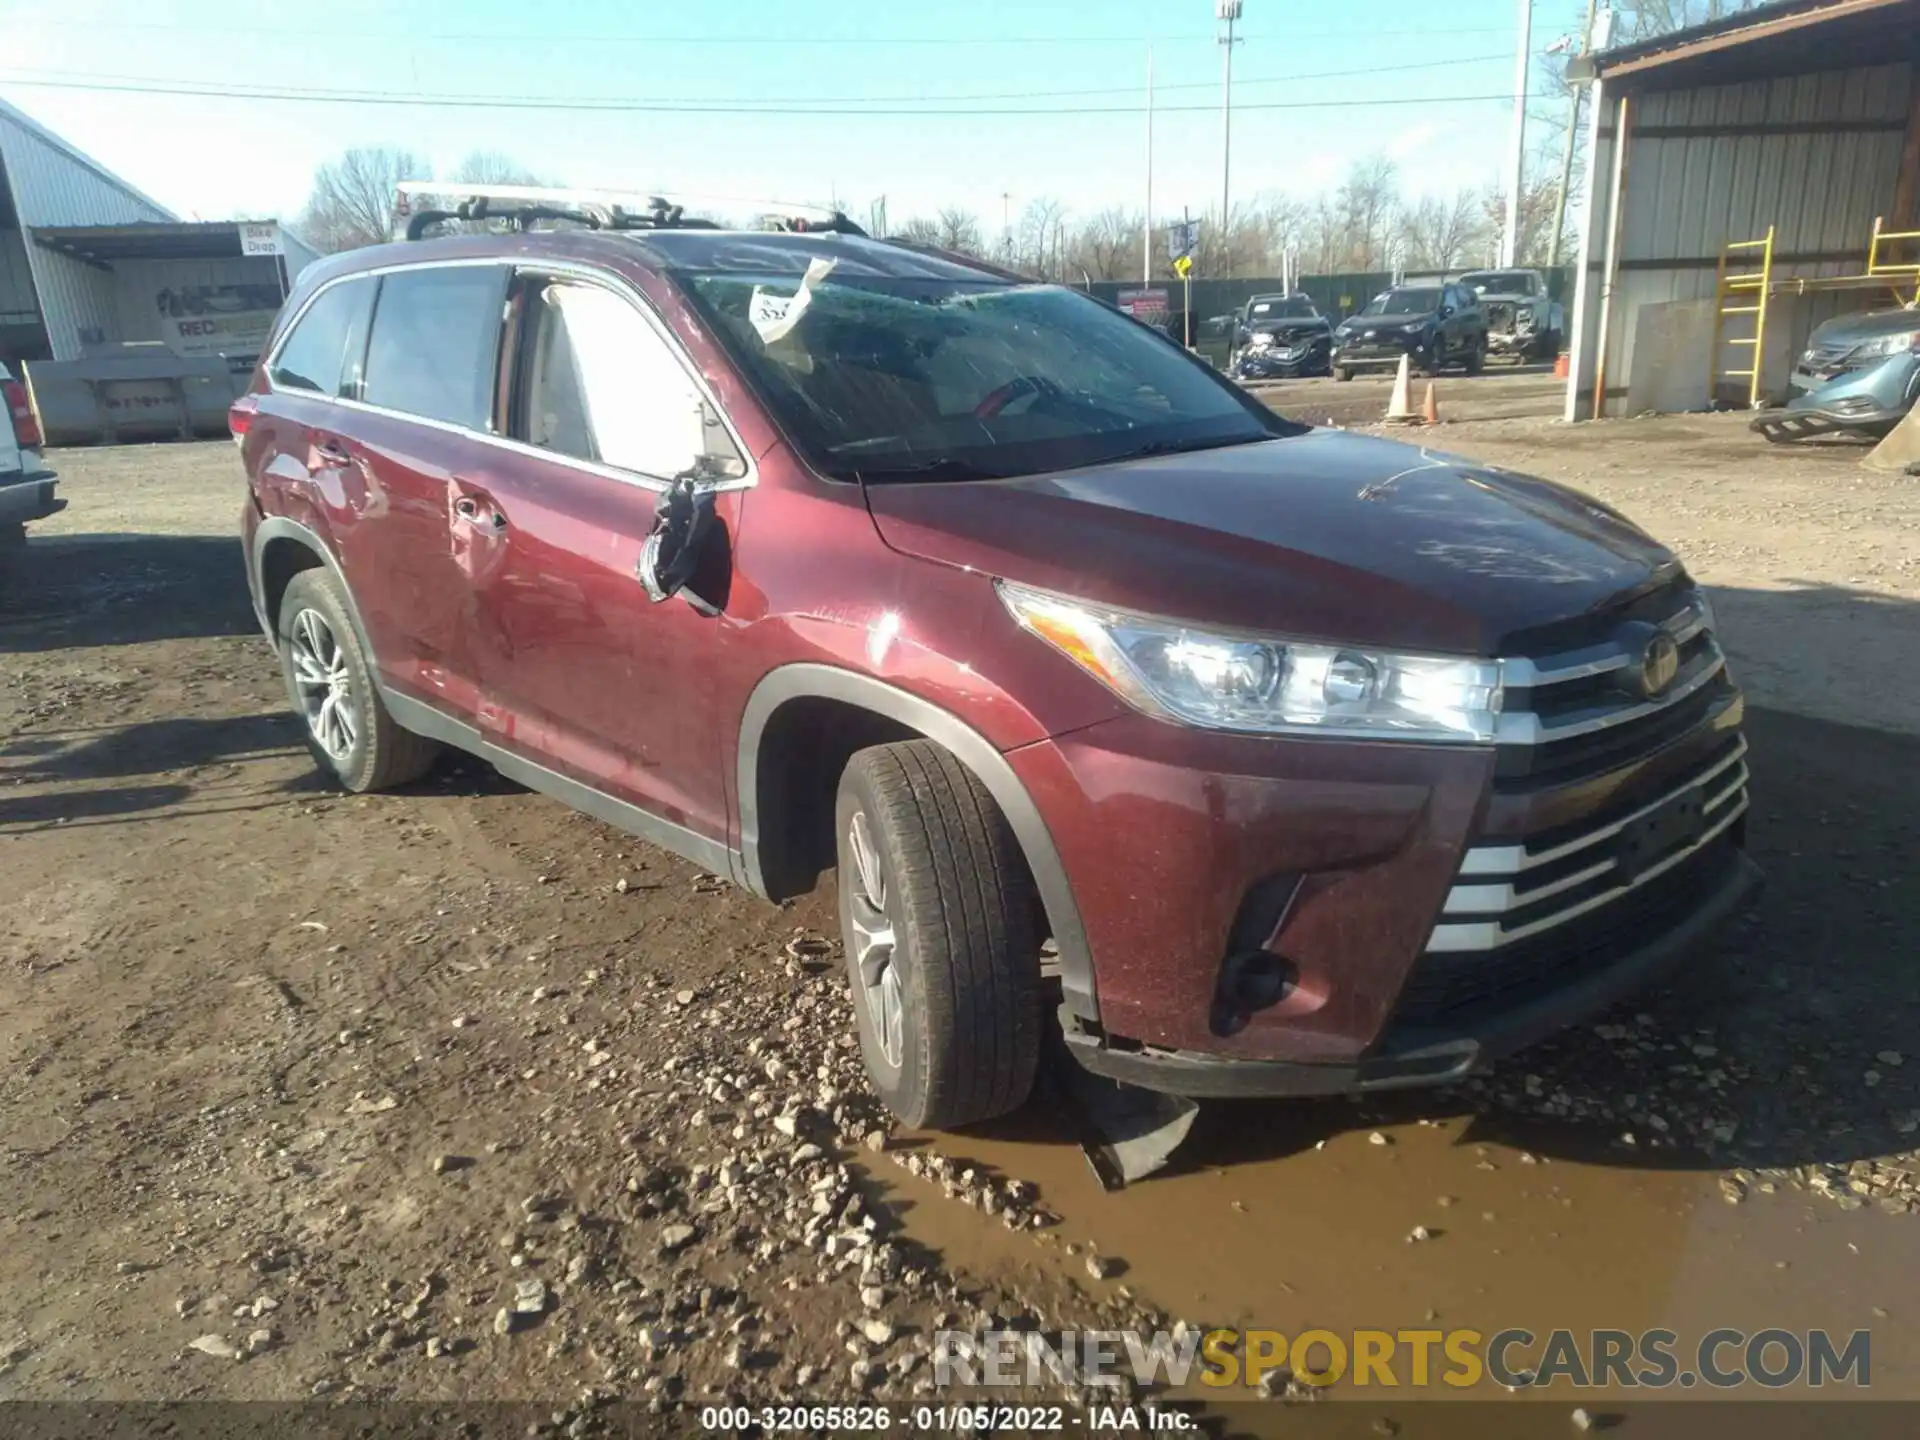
(1266, 685)
(1886, 345)
(1523, 315)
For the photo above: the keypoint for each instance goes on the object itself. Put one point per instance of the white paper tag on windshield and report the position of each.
(776, 315)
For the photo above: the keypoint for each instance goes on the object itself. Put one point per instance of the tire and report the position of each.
(364, 748)
(927, 859)
(1342, 374)
(1477, 358)
(13, 536)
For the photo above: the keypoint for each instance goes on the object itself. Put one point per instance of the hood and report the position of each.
(1387, 322)
(1854, 329)
(1297, 326)
(1322, 535)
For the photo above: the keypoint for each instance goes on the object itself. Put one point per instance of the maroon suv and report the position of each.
(1282, 760)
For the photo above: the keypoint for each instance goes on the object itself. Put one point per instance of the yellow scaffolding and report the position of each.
(1741, 290)
(1753, 287)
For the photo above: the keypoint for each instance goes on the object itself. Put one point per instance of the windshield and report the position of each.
(881, 377)
(1499, 282)
(1422, 301)
(1294, 307)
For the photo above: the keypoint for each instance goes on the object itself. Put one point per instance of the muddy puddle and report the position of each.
(1300, 1216)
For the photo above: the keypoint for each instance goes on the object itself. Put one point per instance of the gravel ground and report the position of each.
(452, 1093)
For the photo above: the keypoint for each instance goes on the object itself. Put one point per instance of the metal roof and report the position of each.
(1782, 37)
(79, 157)
(180, 240)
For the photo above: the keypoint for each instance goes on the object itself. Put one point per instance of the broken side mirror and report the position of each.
(683, 526)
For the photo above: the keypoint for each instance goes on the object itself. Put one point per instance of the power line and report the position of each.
(549, 38)
(683, 107)
(79, 77)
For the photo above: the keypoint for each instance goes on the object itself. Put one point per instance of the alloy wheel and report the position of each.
(324, 684)
(873, 941)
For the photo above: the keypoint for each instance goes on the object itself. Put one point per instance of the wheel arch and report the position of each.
(769, 866)
(282, 548)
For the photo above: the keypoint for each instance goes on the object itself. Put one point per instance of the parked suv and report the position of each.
(1433, 324)
(1524, 321)
(26, 484)
(1322, 762)
(1280, 335)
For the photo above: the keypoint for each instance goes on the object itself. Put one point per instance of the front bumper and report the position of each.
(1521, 343)
(1284, 363)
(29, 497)
(1194, 854)
(1375, 354)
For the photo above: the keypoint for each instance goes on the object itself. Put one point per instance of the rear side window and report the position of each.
(322, 351)
(436, 338)
(600, 384)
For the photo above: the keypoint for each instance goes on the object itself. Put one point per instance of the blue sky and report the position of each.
(218, 157)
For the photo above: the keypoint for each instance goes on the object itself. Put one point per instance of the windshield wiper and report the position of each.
(1184, 447)
(944, 468)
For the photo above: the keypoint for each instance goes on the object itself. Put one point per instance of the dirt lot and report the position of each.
(453, 1093)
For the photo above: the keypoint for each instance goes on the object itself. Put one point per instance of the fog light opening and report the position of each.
(1251, 981)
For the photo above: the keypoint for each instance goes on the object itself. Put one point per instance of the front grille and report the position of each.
(1579, 709)
(1446, 988)
(1508, 893)
(1499, 314)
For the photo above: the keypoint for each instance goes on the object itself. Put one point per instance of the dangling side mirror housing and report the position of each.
(683, 526)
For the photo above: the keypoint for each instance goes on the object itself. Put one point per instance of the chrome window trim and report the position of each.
(558, 268)
(1517, 859)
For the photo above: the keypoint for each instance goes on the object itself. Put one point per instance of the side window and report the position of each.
(599, 383)
(322, 351)
(436, 337)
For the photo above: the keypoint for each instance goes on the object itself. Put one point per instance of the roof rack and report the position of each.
(420, 205)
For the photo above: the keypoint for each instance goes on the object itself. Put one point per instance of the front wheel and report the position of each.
(936, 910)
(330, 682)
(1342, 374)
(1477, 358)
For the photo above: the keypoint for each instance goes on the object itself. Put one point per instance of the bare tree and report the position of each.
(492, 167)
(1107, 246)
(1038, 237)
(959, 230)
(1646, 19)
(920, 231)
(352, 199)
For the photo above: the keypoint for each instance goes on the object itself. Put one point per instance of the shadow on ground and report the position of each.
(81, 590)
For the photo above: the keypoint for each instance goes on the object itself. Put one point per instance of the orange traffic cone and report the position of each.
(1400, 406)
(1562, 364)
(1430, 407)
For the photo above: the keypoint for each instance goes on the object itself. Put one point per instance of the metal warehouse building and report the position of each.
(1749, 178)
(126, 319)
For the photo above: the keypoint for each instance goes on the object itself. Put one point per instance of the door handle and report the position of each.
(469, 510)
(332, 451)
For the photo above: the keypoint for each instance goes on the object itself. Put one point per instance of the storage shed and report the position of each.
(89, 264)
(1748, 178)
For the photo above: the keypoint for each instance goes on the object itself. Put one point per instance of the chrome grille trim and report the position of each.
(1511, 859)
(1524, 727)
(1525, 673)
(1721, 808)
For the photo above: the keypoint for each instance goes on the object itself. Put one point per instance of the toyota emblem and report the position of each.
(1659, 664)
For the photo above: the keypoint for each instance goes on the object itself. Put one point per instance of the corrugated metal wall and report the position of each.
(54, 185)
(16, 281)
(1815, 156)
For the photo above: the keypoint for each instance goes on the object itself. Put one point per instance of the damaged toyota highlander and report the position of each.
(1256, 758)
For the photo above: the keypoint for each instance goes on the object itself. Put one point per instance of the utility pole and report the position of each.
(1227, 12)
(1146, 229)
(1516, 152)
(1566, 156)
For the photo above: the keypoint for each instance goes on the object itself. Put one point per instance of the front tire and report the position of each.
(1342, 374)
(936, 909)
(330, 682)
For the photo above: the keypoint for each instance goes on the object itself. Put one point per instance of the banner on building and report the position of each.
(227, 320)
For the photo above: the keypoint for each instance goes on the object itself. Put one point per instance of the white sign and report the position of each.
(229, 320)
(1183, 239)
(259, 237)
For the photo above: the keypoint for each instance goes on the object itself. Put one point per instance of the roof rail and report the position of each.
(420, 205)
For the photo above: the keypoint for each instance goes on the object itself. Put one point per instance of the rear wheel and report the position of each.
(936, 910)
(330, 682)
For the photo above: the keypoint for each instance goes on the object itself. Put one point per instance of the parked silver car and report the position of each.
(1859, 374)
